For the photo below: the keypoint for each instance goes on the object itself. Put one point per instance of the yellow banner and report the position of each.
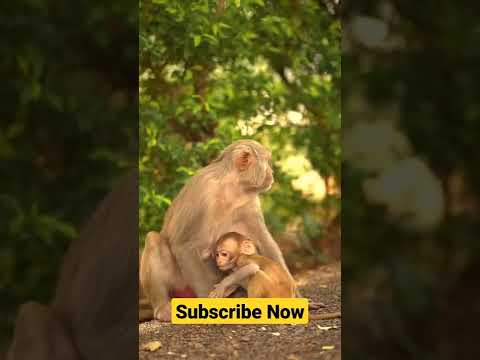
(239, 311)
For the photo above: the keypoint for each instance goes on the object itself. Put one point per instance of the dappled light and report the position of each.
(261, 70)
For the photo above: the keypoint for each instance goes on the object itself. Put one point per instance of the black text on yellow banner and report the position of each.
(239, 311)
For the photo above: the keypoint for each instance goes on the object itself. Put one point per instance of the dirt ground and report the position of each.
(317, 340)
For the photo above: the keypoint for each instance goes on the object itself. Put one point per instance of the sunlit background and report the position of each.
(263, 70)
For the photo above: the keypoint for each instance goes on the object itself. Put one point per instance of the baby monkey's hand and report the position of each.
(218, 291)
(221, 291)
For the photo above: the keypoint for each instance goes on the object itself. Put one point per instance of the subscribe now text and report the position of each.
(239, 311)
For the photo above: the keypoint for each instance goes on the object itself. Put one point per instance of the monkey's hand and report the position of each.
(219, 291)
(230, 290)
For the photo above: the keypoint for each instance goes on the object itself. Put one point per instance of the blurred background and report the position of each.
(268, 70)
(69, 132)
(411, 202)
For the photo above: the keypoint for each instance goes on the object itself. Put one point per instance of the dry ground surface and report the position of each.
(317, 340)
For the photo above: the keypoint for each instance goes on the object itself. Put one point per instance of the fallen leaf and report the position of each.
(152, 346)
(328, 347)
(326, 328)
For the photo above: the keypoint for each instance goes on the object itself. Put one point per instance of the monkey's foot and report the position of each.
(163, 313)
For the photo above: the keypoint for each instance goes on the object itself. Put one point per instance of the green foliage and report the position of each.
(212, 72)
(423, 76)
(68, 132)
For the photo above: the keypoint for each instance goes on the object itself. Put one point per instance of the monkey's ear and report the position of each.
(247, 247)
(243, 160)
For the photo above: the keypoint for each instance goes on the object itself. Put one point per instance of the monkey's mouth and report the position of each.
(267, 184)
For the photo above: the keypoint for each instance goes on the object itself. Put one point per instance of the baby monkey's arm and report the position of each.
(235, 278)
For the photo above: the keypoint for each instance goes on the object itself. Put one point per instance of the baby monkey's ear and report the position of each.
(247, 247)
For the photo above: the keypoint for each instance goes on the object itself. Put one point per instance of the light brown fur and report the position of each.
(270, 282)
(260, 276)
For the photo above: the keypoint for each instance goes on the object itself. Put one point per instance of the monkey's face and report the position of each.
(268, 182)
(226, 254)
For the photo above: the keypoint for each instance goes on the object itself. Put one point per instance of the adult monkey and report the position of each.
(223, 197)
(94, 313)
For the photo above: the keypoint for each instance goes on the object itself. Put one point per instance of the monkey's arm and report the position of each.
(235, 278)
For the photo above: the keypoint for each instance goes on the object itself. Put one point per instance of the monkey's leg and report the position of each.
(198, 273)
(270, 248)
(145, 311)
(258, 286)
(158, 275)
(40, 335)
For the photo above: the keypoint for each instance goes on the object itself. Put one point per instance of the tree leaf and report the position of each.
(152, 346)
(197, 39)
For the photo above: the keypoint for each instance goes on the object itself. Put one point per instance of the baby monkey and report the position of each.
(260, 276)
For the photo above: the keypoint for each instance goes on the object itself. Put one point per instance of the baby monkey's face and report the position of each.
(228, 251)
(226, 254)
